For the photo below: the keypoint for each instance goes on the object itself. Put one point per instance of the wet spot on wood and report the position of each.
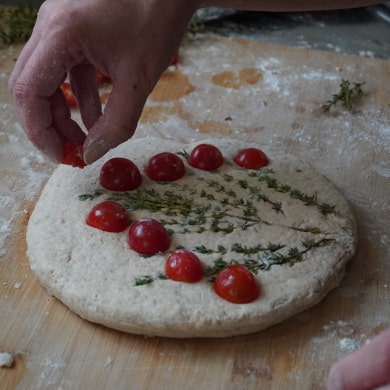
(296, 125)
(228, 79)
(173, 85)
(211, 126)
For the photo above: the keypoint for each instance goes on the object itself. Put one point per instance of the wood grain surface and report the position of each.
(221, 88)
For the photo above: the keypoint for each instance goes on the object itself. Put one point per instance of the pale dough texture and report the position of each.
(94, 272)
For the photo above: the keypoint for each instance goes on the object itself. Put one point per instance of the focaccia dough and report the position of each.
(94, 272)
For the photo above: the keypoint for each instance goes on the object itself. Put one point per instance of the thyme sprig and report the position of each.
(266, 258)
(148, 279)
(345, 95)
(309, 200)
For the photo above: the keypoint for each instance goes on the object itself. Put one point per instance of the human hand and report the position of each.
(365, 369)
(132, 41)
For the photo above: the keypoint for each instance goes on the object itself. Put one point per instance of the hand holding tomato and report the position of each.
(131, 41)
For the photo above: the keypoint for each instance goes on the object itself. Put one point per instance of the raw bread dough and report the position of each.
(94, 272)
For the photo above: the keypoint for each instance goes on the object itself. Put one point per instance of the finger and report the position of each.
(121, 115)
(33, 91)
(366, 368)
(23, 57)
(62, 121)
(84, 85)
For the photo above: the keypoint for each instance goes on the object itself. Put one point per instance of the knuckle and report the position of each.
(21, 92)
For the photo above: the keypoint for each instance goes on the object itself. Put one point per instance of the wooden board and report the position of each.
(221, 88)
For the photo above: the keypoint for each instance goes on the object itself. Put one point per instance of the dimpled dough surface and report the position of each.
(94, 272)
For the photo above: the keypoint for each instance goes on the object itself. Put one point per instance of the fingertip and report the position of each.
(95, 149)
(334, 380)
(105, 135)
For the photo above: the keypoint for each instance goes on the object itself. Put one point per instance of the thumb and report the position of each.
(120, 117)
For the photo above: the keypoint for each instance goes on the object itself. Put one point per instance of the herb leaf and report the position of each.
(347, 91)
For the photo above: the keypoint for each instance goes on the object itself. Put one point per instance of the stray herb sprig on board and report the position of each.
(345, 95)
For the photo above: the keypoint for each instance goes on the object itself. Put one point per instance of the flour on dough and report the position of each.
(94, 272)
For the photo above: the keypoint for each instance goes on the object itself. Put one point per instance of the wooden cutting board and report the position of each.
(221, 88)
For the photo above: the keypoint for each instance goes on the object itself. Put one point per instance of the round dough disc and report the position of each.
(286, 220)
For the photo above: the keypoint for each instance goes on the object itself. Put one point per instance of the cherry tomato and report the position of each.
(236, 284)
(69, 96)
(183, 265)
(175, 59)
(102, 78)
(148, 237)
(108, 216)
(165, 166)
(206, 157)
(120, 174)
(251, 158)
(73, 155)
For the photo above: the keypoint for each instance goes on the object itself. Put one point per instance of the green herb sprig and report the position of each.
(345, 95)
(266, 258)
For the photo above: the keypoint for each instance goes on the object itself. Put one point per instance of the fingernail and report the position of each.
(95, 149)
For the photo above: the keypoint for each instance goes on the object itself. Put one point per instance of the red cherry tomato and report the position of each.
(206, 157)
(175, 59)
(108, 216)
(73, 155)
(236, 284)
(120, 174)
(183, 265)
(148, 237)
(69, 96)
(251, 158)
(102, 78)
(165, 166)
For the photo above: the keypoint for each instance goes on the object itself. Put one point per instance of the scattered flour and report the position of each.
(52, 371)
(341, 334)
(6, 359)
(109, 361)
(348, 344)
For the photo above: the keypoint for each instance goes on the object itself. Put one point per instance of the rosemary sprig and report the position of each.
(347, 91)
(17, 23)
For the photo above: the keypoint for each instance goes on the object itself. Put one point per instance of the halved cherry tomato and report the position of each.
(206, 157)
(120, 174)
(183, 265)
(102, 78)
(148, 237)
(251, 158)
(175, 59)
(165, 166)
(73, 155)
(236, 284)
(69, 96)
(109, 216)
